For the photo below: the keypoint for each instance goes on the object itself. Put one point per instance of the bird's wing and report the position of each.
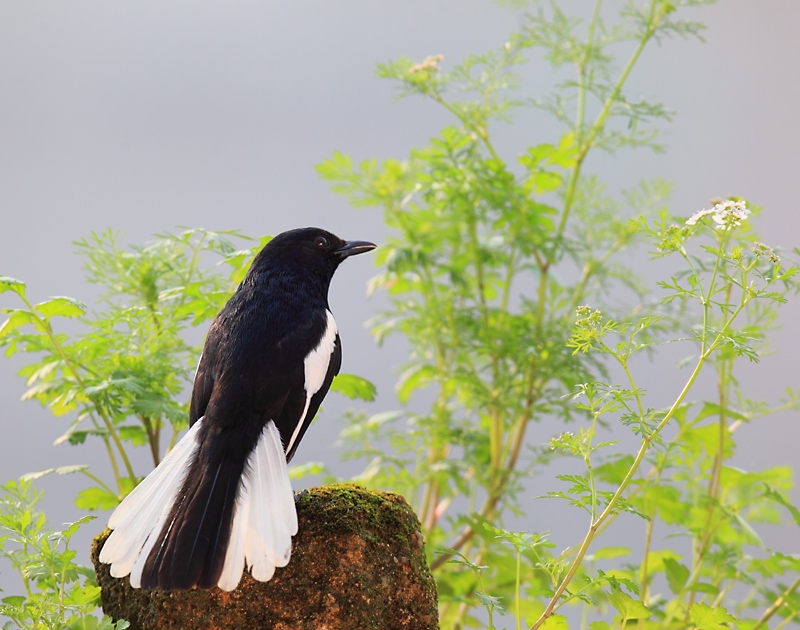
(202, 388)
(310, 383)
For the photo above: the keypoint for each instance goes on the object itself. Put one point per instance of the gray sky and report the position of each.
(148, 115)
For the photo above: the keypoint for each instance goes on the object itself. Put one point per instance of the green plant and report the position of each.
(125, 372)
(488, 263)
(59, 594)
(688, 485)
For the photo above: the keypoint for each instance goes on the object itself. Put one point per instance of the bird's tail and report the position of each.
(179, 529)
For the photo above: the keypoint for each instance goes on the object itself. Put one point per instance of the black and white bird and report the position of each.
(221, 499)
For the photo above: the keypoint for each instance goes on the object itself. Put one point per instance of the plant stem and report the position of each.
(98, 481)
(152, 438)
(776, 605)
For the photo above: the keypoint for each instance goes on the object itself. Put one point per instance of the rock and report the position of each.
(358, 562)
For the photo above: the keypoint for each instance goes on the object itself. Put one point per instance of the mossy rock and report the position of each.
(358, 562)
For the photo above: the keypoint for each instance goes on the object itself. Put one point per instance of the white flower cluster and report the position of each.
(726, 215)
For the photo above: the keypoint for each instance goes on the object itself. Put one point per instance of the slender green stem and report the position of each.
(648, 537)
(192, 265)
(98, 481)
(711, 291)
(721, 595)
(580, 68)
(637, 395)
(786, 621)
(510, 270)
(174, 439)
(152, 437)
(112, 458)
(776, 605)
(516, 590)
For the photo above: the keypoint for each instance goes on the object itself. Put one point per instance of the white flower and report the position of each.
(726, 215)
(697, 216)
(730, 214)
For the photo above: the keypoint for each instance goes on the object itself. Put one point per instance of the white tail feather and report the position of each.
(265, 519)
(283, 490)
(234, 558)
(141, 515)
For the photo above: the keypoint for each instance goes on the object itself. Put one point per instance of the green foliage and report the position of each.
(490, 260)
(59, 594)
(125, 372)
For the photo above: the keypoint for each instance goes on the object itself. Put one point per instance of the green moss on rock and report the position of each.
(358, 562)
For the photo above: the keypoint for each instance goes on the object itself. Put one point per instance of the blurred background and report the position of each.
(144, 116)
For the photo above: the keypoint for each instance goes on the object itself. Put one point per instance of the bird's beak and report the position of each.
(351, 248)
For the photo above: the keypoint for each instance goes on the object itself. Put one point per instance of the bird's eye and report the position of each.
(322, 242)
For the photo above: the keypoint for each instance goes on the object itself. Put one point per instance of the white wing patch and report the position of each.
(141, 515)
(316, 367)
(265, 518)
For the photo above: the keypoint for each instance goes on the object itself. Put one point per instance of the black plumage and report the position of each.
(270, 356)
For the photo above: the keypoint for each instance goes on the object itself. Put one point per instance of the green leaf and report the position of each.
(14, 600)
(713, 409)
(614, 471)
(136, 435)
(704, 587)
(309, 468)
(778, 497)
(354, 386)
(12, 284)
(707, 618)
(599, 625)
(18, 318)
(61, 470)
(71, 528)
(126, 484)
(628, 607)
(152, 406)
(751, 535)
(611, 552)
(656, 560)
(96, 498)
(677, 574)
(491, 603)
(553, 622)
(418, 375)
(62, 306)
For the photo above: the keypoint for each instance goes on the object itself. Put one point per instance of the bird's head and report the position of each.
(312, 250)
